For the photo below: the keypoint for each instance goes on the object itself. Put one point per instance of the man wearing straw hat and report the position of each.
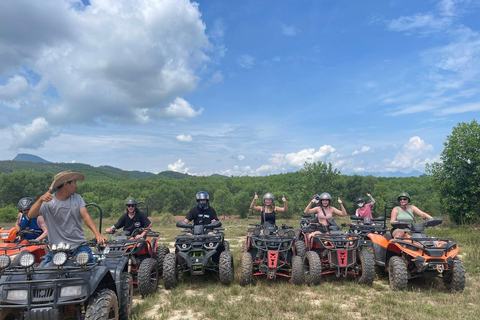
(63, 213)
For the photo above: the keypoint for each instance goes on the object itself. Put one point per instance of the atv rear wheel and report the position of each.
(246, 272)
(226, 268)
(160, 254)
(148, 277)
(126, 295)
(312, 268)
(300, 248)
(103, 305)
(397, 273)
(297, 270)
(367, 268)
(455, 279)
(170, 271)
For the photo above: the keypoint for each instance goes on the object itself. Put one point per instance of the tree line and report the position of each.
(453, 187)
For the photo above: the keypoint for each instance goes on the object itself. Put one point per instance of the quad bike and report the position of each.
(364, 226)
(335, 251)
(68, 287)
(142, 258)
(416, 255)
(270, 251)
(15, 242)
(199, 249)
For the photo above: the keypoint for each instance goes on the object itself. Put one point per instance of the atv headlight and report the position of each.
(59, 258)
(4, 261)
(291, 233)
(61, 246)
(16, 295)
(256, 232)
(71, 291)
(4, 235)
(258, 243)
(285, 244)
(351, 243)
(82, 258)
(54, 247)
(27, 260)
(266, 232)
(281, 232)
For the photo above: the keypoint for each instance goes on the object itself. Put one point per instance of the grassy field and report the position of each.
(198, 297)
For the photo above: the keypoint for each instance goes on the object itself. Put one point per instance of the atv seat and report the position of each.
(388, 236)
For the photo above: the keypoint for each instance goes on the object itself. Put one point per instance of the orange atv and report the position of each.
(416, 255)
(14, 243)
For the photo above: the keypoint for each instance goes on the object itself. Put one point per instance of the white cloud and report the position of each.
(246, 61)
(114, 60)
(184, 137)
(217, 77)
(421, 24)
(362, 150)
(178, 166)
(309, 155)
(468, 107)
(414, 154)
(13, 89)
(240, 157)
(31, 136)
(289, 31)
(180, 108)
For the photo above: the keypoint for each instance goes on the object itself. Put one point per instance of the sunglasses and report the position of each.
(359, 202)
(403, 199)
(130, 205)
(26, 210)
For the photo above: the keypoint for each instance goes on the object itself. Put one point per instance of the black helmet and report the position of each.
(270, 196)
(359, 201)
(202, 195)
(316, 196)
(131, 201)
(25, 204)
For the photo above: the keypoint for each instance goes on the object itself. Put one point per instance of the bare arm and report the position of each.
(285, 206)
(43, 226)
(35, 209)
(340, 213)
(89, 222)
(17, 224)
(421, 213)
(309, 210)
(142, 235)
(393, 215)
(253, 206)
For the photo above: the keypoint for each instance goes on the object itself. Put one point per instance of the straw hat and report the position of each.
(65, 176)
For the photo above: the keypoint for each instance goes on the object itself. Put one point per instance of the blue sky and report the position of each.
(237, 87)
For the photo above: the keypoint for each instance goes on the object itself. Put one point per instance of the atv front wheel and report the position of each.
(455, 279)
(397, 273)
(246, 272)
(312, 268)
(103, 305)
(170, 271)
(148, 277)
(226, 268)
(226, 245)
(126, 296)
(367, 268)
(160, 254)
(297, 270)
(300, 248)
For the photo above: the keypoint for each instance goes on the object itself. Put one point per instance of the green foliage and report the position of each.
(223, 202)
(8, 214)
(457, 177)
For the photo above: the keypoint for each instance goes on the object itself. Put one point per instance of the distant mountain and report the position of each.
(30, 158)
(396, 174)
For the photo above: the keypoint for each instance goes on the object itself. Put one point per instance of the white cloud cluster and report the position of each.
(184, 138)
(178, 166)
(32, 135)
(364, 149)
(289, 31)
(113, 60)
(414, 154)
(245, 61)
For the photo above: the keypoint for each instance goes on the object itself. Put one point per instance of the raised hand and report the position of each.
(256, 196)
(47, 196)
(339, 200)
(283, 198)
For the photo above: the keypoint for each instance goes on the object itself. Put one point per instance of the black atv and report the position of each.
(270, 251)
(335, 251)
(364, 226)
(67, 287)
(200, 249)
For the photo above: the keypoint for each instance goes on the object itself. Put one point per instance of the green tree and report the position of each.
(223, 202)
(320, 177)
(457, 177)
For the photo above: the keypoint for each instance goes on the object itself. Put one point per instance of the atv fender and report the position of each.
(101, 275)
(188, 259)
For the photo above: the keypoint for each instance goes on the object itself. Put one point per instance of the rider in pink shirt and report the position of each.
(364, 210)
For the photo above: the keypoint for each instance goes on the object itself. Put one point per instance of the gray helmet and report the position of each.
(131, 201)
(25, 204)
(268, 195)
(202, 195)
(326, 196)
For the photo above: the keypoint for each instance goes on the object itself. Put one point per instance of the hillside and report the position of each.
(91, 173)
